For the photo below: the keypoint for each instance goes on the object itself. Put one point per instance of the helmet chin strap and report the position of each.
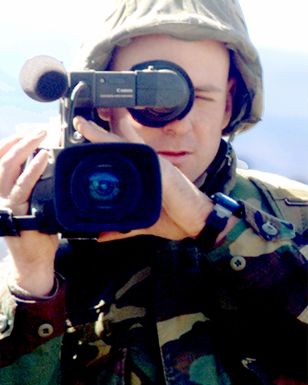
(219, 171)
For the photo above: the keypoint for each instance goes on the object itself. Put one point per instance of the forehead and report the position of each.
(196, 57)
(204, 58)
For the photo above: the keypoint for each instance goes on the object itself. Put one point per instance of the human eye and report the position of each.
(203, 95)
(208, 93)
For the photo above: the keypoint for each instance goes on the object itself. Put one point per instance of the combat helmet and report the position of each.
(220, 20)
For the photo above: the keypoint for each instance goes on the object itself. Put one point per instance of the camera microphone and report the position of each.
(44, 78)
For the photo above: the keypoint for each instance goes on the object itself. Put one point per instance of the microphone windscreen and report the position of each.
(43, 78)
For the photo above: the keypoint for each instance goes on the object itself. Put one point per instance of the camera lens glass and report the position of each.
(104, 185)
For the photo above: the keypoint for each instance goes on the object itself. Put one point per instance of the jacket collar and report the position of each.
(220, 175)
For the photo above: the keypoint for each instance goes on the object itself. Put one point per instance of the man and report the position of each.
(213, 292)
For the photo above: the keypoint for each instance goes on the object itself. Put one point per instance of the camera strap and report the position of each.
(11, 225)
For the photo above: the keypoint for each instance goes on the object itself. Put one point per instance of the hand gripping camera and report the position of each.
(89, 188)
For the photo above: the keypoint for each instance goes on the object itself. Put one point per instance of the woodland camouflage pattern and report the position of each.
(173, 314)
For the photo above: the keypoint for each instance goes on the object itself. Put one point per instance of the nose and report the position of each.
(178, 126)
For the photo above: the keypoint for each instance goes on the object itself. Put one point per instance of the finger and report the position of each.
(183, 202)
(7, 143)
(12, 161)
(26, 181)
(97, 134)
(25, 146)
(93, 132)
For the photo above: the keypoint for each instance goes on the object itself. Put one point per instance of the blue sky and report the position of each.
(57, 28)
(278, 24)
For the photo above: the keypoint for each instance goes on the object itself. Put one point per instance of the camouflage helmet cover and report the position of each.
(220, 20)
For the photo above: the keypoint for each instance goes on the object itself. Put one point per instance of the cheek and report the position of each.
(208, 126)
(209, 115)
(119, 119)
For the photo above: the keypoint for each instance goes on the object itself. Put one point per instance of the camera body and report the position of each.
(89, 188)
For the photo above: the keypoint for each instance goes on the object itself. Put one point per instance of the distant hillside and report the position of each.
(278, 145)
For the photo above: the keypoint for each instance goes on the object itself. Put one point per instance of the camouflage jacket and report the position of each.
(151, 311)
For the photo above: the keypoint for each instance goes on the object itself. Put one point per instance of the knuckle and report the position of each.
(8, 162)
(5, 162)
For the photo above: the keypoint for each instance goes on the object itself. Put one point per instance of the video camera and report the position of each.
(89, 188)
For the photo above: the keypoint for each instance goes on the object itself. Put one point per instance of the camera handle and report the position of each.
(71, 136)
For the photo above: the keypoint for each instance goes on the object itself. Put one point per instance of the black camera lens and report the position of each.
(104, 186)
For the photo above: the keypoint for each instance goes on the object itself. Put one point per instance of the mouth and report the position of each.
(174, 156)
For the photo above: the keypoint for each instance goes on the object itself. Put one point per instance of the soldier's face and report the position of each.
(192, 142)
